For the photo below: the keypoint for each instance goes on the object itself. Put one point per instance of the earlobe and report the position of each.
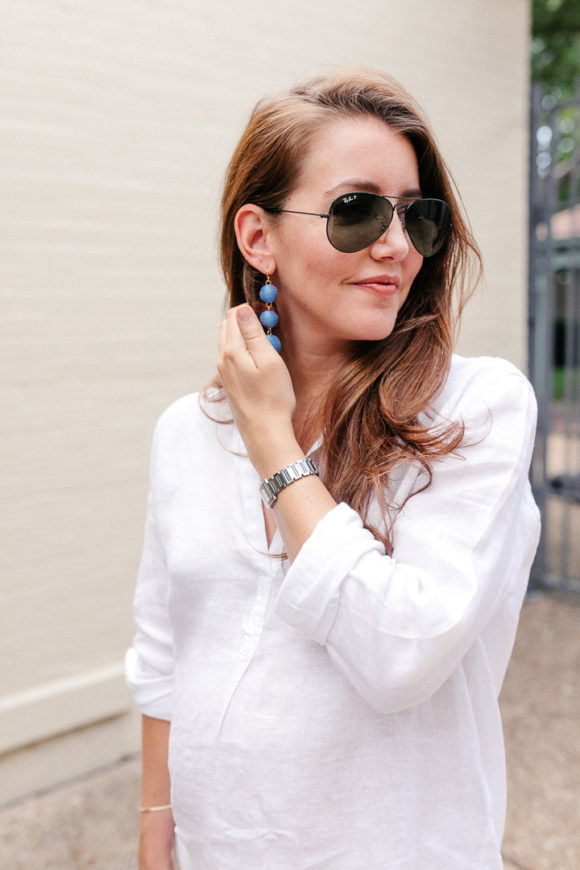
(252, 233)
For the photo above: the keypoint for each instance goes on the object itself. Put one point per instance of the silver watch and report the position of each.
(271, 486)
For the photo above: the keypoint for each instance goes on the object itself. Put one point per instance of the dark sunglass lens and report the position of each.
(427, 222)
(356, 220)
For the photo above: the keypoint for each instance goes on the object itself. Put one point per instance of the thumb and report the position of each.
(249, 325)
(251, 329)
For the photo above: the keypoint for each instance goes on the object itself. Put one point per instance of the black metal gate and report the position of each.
(554, 351)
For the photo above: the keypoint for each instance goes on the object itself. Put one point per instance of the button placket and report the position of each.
(265, 563)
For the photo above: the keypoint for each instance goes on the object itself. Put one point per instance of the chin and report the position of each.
(374, 333)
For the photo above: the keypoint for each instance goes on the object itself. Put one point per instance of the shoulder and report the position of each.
(495, 403)
(179, 415)
(190, 438)
(192, 417)
(475, 383)
(179, 410)
(208, 404)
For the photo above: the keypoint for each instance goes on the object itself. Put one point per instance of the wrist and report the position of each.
(272, 486)
(155, 848)
(271, 452)
(157, 825)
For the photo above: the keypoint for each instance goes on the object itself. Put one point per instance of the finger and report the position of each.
(235, 340)
(253, 334)
(222, 337)
(222, 343)
(248, 323)
(233, 354)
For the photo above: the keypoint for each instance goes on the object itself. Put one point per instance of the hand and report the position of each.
(156, 841)
(259, 388)
(261, 394)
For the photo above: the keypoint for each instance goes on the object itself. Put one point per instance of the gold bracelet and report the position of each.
(154, 809)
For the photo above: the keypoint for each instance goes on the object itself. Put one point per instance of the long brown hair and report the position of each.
(377, 416)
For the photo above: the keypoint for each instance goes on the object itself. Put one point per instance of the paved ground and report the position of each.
(541, 712)
(93, 823)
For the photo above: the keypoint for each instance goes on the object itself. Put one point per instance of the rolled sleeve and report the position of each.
(396, 627)
(330, 555)
(149, 663)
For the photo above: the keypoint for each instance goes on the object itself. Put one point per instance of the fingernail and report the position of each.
(244, 313)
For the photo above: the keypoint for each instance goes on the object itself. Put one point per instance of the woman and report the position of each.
(324, 666)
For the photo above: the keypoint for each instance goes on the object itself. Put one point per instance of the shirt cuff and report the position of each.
(310, 593)
(153, 692)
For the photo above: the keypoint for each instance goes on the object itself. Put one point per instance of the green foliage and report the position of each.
(556, 45)
(558, 384)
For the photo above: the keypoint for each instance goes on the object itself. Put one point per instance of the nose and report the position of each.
(394, 242)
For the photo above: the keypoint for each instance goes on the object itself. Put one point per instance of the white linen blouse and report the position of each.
(339, 712)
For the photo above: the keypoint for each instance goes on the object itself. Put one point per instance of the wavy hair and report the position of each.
(378, 415)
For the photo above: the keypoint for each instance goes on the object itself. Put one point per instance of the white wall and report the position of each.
(117, 118)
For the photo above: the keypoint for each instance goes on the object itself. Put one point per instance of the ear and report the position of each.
(252, 229)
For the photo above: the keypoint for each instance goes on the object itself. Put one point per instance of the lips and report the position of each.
(383, 284)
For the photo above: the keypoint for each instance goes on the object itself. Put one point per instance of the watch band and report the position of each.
(271, 486)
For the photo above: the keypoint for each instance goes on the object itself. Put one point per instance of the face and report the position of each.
(328, 299)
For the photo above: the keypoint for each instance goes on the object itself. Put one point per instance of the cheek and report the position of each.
(403, 299)
(313, 266)
(415, 264)
(302, 260)
(414, 270)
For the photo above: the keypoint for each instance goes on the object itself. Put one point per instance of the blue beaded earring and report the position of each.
(269, 318)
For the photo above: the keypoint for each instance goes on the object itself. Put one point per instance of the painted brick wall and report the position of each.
(117, 119)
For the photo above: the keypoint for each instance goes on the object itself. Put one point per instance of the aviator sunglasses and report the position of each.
(356, 220)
